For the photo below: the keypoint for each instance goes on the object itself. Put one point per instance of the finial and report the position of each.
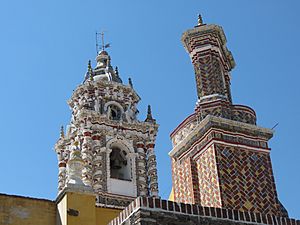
(75, 166)
(62, 132)
(149, 116)
(200, 20)
(130, 82)
(89, 65)
(90, 71)
(149, 110)
(117, 71)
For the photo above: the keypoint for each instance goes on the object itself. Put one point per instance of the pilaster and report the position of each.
(141, 170)
(87, 157)
(152, 171)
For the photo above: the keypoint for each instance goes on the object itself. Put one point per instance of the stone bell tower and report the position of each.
(117, 150)
(220, 157)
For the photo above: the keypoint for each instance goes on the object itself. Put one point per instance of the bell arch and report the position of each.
(121, 169)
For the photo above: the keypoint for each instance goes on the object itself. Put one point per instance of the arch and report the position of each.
(120, 142)
(125, 185)
(113, 103)
(114, 110)
(120, 161)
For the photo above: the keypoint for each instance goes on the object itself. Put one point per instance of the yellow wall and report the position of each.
(17, 210)
(105, 215)
(85, 204)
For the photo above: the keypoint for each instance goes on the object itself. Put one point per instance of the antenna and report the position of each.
(103, 45)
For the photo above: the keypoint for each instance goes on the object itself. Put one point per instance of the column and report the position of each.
(152, 171)
(87, 157)
(61, 175)
(141, 170)
(99, 175)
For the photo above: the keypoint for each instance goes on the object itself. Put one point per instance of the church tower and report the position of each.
(110, 150)
(220, 157)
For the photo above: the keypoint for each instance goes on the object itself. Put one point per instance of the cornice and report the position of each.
(223, 124)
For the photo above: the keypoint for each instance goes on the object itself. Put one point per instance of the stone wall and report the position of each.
(17, 210)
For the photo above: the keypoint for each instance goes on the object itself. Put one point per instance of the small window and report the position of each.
(119, 166)
(114, 112)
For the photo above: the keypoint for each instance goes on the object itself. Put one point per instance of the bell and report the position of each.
(116, 164)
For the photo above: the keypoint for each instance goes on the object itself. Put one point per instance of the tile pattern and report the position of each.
(183, 181)
(246, 180)
(212, 63)
(208, 179)
(209, 74)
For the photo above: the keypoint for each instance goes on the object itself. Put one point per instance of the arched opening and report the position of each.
(114, 112)
(119, 164)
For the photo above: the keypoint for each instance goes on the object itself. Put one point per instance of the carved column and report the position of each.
(152, 171)
(99, 169)
(61, 172)
(87, 157)
(60, 148)
(141, 170)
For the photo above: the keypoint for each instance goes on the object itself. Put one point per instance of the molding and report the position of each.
(217, 122)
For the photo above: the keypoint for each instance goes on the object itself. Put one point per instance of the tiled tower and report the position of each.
(117, 150)
(220, 157)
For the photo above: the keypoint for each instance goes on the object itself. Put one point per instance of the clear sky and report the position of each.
(45, 47)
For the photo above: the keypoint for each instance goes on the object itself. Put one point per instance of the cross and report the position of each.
(103, 46)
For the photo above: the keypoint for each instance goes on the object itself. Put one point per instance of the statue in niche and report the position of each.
(131, 112)
(97, 105)
(114, 112)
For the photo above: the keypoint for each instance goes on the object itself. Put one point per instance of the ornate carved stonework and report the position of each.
(104, 121)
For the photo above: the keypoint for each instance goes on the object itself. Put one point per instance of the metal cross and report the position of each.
(103, 45)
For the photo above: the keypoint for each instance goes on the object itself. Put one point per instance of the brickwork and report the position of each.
(246, 180)
(153, 211)
(220, 141)
(183, 181)
(211, 59)
(209, 187)
(208, 77)
(233, 165)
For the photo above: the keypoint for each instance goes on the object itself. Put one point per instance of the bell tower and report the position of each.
(220, 157)
(117, 150)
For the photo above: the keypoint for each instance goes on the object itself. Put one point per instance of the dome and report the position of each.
(103, 52)
(103, 70)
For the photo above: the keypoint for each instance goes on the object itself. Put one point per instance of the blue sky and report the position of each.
(45, 47)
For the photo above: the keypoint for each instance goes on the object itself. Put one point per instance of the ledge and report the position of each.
(226, 124)
(164, 206)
